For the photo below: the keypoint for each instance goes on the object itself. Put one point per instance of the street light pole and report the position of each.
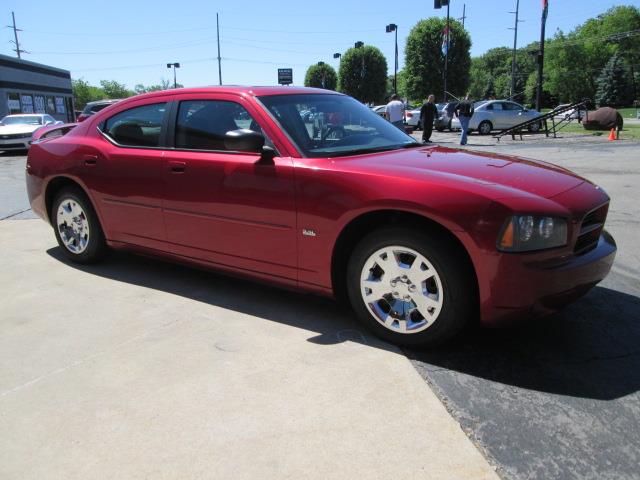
(174, 65)
(392, 27)
(446, 55)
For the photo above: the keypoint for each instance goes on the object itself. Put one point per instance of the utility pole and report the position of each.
(464, 7)
(515, 42)
(18, 50)
(219, 59)
(545, 9)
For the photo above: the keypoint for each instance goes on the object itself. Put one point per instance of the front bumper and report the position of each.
(523, 289)
(15, 143)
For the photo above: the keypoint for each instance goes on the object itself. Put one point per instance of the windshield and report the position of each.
(330, 125)
(21, 120)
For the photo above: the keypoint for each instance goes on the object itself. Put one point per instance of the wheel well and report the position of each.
(363, 225)
(54, 187)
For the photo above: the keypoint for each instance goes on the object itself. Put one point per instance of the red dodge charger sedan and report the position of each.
(309, 189)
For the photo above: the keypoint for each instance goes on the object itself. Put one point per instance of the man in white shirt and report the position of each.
(395, 111)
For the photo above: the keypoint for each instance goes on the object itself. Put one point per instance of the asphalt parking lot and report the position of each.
(136, 368)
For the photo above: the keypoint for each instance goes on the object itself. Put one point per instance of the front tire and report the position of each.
(485, 127)
(76, 227)
(411, 288)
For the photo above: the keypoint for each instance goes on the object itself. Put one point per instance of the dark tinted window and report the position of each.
(511, 106)
(139, 127)
(202, 124)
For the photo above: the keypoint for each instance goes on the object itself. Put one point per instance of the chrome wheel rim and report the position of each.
(72, 225)
(485, 129)
(401, 289)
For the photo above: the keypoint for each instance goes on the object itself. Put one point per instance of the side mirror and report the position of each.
(244, 140)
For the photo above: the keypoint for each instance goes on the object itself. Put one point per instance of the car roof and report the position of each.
(259, 91)
(98, 102)
(27, 114)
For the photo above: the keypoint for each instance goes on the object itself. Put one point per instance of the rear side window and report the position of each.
(137, 127)
(202, 124)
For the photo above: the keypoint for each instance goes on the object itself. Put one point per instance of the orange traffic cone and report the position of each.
(612, 135)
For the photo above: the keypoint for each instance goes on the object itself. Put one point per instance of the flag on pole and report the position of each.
(445, 41)
(545, 9)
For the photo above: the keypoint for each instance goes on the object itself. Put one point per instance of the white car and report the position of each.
(498, 115)
(412, 118)
(16, 130)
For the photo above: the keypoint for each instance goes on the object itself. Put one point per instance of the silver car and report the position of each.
(498, 115)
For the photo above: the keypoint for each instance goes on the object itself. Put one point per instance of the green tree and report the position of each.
(163, 85)
(363, 74)
(424, 61)
(614, 84)
(566, 78)
(489, 91)
(84, 93)
(114, 89)
(321, 75)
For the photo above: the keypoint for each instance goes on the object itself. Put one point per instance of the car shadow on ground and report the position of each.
(589, 350)
(333, 321)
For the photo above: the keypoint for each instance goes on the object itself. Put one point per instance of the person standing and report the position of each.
(395, 111)
(428, 112)
(464, 112)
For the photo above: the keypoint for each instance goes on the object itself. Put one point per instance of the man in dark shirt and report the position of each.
(464, 112)
(427, 113)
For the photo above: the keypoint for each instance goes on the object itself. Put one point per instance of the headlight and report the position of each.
(523, 233)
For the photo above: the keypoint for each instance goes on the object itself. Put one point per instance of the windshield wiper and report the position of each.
(360, 151)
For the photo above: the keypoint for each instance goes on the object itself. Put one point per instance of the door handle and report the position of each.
(90, 159)
(177, 167)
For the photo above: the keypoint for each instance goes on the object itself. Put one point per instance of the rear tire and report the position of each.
(535, 127)
(411, 288)
(76, 226)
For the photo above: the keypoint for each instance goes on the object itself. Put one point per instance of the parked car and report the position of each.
(412, 118)
(16, 130)
(498, 115)
(420, 240)
(445, 115)
(379, 109)
(92, 108)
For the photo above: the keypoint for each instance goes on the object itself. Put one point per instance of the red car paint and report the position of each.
(228, 212)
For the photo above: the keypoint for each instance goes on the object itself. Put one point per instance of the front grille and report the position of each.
(13, 136)
(590, 230)
(11, 145)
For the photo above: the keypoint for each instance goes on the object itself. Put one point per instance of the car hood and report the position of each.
(20, 128)
(517, 174)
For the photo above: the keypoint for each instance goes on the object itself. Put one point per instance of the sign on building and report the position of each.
(285, 76)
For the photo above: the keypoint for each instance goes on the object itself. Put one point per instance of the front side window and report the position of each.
(203, 124)
(331, 125)
(137, 127)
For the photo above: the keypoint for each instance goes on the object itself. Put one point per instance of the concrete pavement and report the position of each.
(139, 369)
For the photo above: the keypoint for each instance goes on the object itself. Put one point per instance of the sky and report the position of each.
(131, 42)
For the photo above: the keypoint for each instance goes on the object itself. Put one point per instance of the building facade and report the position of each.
(29, 87)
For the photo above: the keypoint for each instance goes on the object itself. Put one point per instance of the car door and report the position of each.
(123, 169)
(514, 114)
(225, 207)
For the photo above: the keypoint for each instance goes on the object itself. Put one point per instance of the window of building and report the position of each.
(38, 102)
(26, 102)
(13, 103)
(202, 124)
(60, 105)
(139, 126)
(51, 106)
